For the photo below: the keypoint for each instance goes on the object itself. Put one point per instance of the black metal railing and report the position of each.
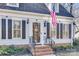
(51, 42)
(33, 43)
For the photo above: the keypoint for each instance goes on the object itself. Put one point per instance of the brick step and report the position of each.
(42, 50)
(42, 53)
(40, 46)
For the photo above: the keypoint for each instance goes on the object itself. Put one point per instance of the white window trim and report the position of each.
(57, 8)
(6, 28)
(9, 4)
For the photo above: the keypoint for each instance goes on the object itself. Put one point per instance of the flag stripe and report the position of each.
(53, 15)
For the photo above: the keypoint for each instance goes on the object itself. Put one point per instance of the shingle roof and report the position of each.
(37, 8)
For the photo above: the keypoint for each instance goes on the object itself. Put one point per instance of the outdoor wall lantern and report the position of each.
(27, 21)
(36, 19)
(45, 23)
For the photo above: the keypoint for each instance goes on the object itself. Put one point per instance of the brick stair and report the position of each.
(42, 50)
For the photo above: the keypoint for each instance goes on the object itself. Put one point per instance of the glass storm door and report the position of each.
(36, 32)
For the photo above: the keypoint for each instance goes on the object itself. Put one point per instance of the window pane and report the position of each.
(56, 7)
(54, 32)
(17, 29)
(17, 33)
(63, 30)
(17, 24)
(14, 33)
(66, 31)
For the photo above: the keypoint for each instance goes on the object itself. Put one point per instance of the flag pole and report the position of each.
(53, 17)
(50, 22)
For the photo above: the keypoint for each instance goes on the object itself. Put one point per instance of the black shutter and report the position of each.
(9, 29)
(23, 29)
(48, 30)
(70, 31)
(61, 29)
(57, 30)
(3, 28)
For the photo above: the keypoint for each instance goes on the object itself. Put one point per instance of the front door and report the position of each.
(36, 32)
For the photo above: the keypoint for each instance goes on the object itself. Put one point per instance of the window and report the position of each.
(55, 6)
(62, 31)
(66, 31)
(13, 4)
(13, 29)
(17, 29)
(54, 31)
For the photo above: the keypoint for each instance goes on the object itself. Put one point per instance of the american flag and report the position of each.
(52, 13)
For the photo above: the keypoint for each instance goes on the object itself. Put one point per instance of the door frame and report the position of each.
(39, 32)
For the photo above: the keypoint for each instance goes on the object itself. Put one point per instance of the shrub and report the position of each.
(76, 42)
(10, 50)
(58, 48)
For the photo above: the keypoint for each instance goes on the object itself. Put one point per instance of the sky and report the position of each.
(76, 5)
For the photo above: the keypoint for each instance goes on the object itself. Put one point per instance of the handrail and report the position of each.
(32, 41)
(51, 42)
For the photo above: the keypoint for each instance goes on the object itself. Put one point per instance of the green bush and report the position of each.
(63, 47)
(76, 43)
(10, 50)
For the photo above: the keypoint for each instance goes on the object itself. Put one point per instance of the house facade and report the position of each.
(22, 22)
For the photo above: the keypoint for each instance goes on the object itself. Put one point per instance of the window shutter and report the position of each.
(23, 29)
(3, 28)
(48, 30)
(9, 29)
(57, 30)
(61, 31)
(70, 31)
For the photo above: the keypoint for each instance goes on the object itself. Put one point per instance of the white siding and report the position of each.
(13, 42)
(29, 28)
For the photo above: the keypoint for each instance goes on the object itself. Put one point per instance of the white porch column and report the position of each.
(30, 32)
(72, 33)
(27, 30)
(43, 33)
